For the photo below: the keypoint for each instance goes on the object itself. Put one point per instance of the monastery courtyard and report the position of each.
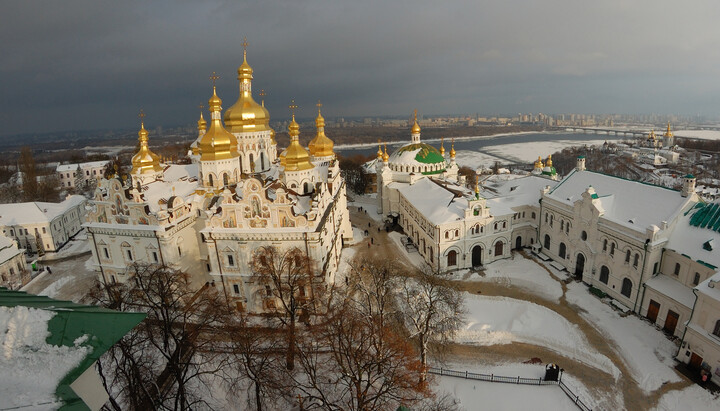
(612, 360)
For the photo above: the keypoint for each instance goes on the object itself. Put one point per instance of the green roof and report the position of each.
(706, 216)
(427, 154)
(71, 321)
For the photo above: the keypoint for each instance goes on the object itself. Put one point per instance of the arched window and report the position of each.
(546, 217)
(561, 250)
(627, 256)
(636, 260)
(504, 224)
(696, 280)
(552, 217)
(562, 225)
(533, 215)
(604, 274)
(457, 233)
(626, 287)
(716, 330)
(604, 245)
(547, 242)
(210, 180)
(452, 258)
(498, 248)
(306, 187)
(567, 228)
(677, 269)
(476, 211)
(612, 249)
(226, 181)
(583, 235)
(447, 234)
(496, 226)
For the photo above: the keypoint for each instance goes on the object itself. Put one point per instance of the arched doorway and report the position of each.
(562, 250)
(579, 266)
(498, 248)
(477, 252)
(547, 242)
(518, 242)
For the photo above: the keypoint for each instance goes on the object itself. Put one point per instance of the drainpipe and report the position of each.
(682, 340)
(162, 260)
(537, 237)
(97, 255)
(222, 277)
(642, 273)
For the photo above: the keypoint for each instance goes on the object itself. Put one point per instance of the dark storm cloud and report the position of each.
(92, 64)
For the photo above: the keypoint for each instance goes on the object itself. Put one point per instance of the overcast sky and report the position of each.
(67, 65)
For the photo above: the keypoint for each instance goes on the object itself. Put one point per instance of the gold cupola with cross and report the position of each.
(217, 143)
(296, 157)
(246, 115)
(321, 145)
(144, 161)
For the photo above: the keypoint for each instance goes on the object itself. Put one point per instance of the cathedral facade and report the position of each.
(208, 218)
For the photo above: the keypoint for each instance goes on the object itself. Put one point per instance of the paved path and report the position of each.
(600, 383)
(70, 280)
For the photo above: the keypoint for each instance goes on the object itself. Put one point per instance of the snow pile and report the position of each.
(646, 351)
(502, 320)
(692, 398)
(32, 368)
(52, 289)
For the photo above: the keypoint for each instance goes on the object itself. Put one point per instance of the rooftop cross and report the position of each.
(319, 105)
(142, 117)
(245, 44)
(292, 107)
(213, 78)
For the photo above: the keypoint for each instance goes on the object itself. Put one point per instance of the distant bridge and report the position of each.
(608, 131)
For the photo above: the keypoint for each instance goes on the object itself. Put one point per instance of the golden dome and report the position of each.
(442, 147)
(217, 143)
(296, 157)
(379, 152)
(321, 145)
(539, 163)
(246, 114)
(452, 149)
(145, 161)
(272, 137)
(386, 157)
(548, 163)
(282, 157)
(416, 128)
(202, 124)
(668, 132)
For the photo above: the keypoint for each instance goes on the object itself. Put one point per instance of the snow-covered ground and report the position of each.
(413, 256)
(702, 134)
(367, 202)
(475, 159)
(473, 395)
(529, 152)
(502, 320)
(646, 351)
(692, 398)
(519, 272)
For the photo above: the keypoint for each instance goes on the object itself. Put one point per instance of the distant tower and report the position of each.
(415, 132)
(581, 163)
(688, 185)
(668, 137)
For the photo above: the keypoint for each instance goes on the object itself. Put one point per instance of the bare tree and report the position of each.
(255, 350)
(161, 363)
(286, 287)
(352, 361)
(29, 174)
(432, 310)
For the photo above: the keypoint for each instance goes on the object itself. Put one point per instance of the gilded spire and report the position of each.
(548, 163)
(321, 145)
(379, 152)
(477, 187)
(296, 157)
(217, 143)
(202, 124)
(539, 163)
(144, 161)
(442, 146)
(246, 115)
(416, 126)
(262, 97)
(452, 149)
(386, 157)
(668, 132)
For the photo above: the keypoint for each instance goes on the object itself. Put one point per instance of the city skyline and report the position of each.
(91, 65)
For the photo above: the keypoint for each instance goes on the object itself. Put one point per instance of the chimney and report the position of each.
(688, 187)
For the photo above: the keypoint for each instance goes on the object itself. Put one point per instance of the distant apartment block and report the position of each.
(91, 170)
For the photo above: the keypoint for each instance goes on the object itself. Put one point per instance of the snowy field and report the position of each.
(701, 134)
(502, 320)
(529, 152)
(367, 202)
(692, 398)
(475, 159)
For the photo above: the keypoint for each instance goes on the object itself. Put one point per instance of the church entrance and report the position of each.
(518, 243)
(579, 266)
(477, 252)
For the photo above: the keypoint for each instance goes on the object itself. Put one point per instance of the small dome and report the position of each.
(296, 157)
(321, 145)
(145, 161)
(217, 143)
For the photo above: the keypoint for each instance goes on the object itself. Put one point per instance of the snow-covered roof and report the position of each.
(73, 167)
(178, 180)
(697, 242)
(711, 287)
(522, 191)
(8, 249)
(36, 212)
(673, 289)
(436, 203)
(630, 203)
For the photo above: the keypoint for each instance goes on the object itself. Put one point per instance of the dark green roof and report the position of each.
(71, 321)
(706, 216)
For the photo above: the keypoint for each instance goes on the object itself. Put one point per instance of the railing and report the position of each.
(511, 380)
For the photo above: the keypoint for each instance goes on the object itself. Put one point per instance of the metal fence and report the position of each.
(511, 380)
